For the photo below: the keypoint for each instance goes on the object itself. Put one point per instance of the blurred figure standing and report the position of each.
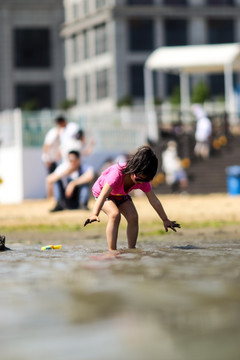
(203, 132)
(77, 142)
(176, 176)
(51, 146)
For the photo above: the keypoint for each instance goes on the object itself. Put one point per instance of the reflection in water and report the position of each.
(160, 301)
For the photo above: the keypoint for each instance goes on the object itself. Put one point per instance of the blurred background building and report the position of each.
(85, 58)
(32, 54)
(108, 41)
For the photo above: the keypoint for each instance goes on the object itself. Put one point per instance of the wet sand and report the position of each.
(176, 297)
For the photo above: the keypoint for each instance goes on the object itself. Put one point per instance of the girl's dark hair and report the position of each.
(143, 162)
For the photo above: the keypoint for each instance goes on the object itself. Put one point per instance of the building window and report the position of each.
(76, 90)
(141, 34)
(75, 9)
(172, 83)
(220, 2)
(136, 80)
(32, 48)
(175, 2)
(216, 84)
(100, 3)
(75, 48)
(175, 35)
(86, 7)
(87, 88)
(102, 84)
(220, 31)
(101, 39)
(33, 97)
(86, 44)
(140, 2)
(175, 32)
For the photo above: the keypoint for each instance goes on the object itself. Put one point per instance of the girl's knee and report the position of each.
(133, 219)
(115, 216)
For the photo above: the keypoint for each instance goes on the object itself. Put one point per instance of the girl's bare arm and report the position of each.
(106, 190)
(156, 204)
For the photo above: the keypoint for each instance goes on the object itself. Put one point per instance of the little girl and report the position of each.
(111, 192)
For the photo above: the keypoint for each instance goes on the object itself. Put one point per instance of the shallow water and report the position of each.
(165, 300)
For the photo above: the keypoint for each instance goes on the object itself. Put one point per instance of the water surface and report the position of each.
(170, 299)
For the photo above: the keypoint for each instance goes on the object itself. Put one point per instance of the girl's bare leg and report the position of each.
(130, 213)
(114, 217)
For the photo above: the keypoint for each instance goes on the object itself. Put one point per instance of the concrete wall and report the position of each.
(34, 174)
(22, 172)
(11, 173)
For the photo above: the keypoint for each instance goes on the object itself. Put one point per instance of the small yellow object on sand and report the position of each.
(51, 247)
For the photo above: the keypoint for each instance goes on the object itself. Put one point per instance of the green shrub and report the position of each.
(201, 93)
(67, 104)
(175, 97)
(125, 101)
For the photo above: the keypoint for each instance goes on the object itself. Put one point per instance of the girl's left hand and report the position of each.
(170, 224)
(92, 219)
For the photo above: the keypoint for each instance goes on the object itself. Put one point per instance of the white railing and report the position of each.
(22, 172)
(123, 130)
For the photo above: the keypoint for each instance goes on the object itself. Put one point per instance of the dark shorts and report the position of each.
(119, 200)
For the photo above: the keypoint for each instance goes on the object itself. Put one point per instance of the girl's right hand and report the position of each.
(171, 225)
(92, 219)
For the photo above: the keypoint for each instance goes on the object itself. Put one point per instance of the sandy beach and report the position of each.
(186, 209)
(31, 222)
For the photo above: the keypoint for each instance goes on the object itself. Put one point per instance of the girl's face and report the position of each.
(139, 178)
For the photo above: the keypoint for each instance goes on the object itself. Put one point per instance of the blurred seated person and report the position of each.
(75, 178)
(176, 176)
(56, 139)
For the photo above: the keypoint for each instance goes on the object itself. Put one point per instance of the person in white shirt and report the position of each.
(175, 174)
(51, 155)
(76, 142)
(58, 142)
(68, 140)
(203, 132)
